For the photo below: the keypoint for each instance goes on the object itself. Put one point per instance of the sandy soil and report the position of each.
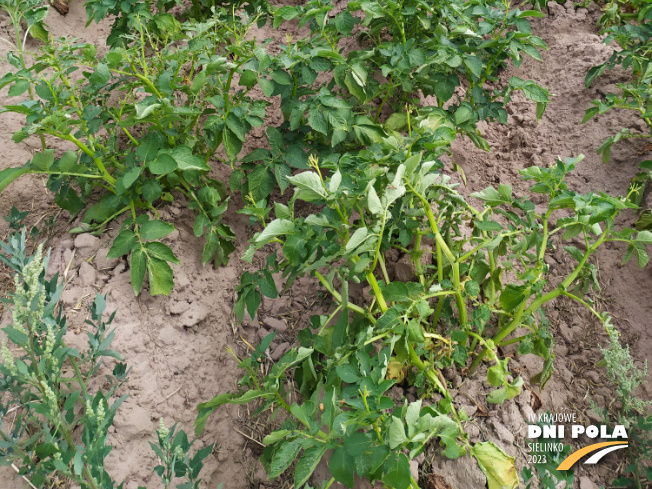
(176, 345)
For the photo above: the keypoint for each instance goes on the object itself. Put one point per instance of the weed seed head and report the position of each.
(7, 358)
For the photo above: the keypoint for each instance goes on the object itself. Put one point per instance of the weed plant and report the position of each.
(631, 411)
(55, 422)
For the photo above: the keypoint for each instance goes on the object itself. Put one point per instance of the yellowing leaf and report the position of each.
(396, 370)
(496, 465)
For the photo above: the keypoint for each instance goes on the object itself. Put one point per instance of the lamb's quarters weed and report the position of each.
(61, 423)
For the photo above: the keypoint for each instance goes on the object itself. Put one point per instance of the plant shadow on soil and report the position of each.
(176, 345)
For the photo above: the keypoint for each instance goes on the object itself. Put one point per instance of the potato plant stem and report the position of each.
(371, 279)
(440, 277)
(338, 297)
(382, 104)
(416, 361)
(100, 166)
(536, 304)
(461, 306)
(417, 261)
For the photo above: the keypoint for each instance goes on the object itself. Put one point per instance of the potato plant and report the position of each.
(618, 12)
(482, 286)
(336, 97)
(635, 41)
(61, 423)
(145, 122)
(129, 16)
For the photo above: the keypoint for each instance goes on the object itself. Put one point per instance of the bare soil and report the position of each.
(177, 345)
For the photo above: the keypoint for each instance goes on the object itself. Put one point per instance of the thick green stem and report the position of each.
(417, 263)
(382, 104)
(338, 297)
(561, 290)
(377, 292)
(383, 267)
(439, 239)
(416, 361)
(100, 166)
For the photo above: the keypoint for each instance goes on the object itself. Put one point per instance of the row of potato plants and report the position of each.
(173, 95)
(629, 25)
(394, 195)
(634, 40)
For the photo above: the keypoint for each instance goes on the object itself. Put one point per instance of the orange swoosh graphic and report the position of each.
(575, 456)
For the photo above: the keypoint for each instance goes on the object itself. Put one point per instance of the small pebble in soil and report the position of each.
(71, 295)
(593, 376)
(414, 469)
(470, 410)
(87, 242)
(178, 307)
(566, 332)
(276, 324)
(280, 350)
(586, 483)
(503, 433)
(87, 274)
(196, 313)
